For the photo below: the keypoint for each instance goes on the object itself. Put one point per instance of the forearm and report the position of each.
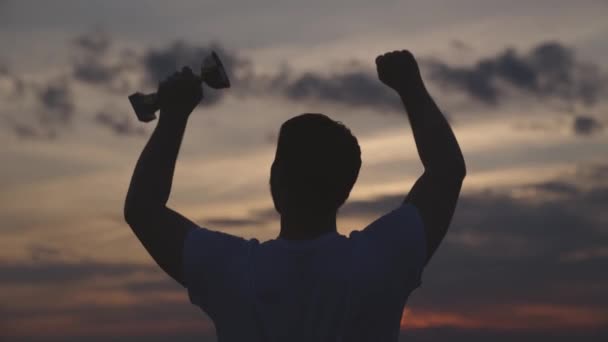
(151, 182)
(435, 141)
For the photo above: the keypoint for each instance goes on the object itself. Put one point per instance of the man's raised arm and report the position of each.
(160, 229)
(435, 193)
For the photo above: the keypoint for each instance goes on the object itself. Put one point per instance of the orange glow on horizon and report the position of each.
(516, 317)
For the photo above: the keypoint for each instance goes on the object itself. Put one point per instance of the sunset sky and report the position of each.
(524, 84)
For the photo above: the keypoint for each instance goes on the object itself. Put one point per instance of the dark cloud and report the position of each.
(556, 187)
(26, 131)
(153, 309)
(54, 96)
(160, 63)
(53, 272)
(97, 42)
(507, 250)
(98, 62)
(95, 71)
(57, 102)
(119, 123)
(154, 285)
(586, 125)
(355, 86)
(54, 108)
(93, 65)
(504, 248)
(549, 70)
(227, 222)
(502, 251)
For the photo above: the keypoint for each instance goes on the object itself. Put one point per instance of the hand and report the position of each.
(399, 70)
(179, 94)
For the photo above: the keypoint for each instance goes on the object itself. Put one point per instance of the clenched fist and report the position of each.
(399, 70)
(179, 94)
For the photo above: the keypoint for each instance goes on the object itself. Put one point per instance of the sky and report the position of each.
(523, 84)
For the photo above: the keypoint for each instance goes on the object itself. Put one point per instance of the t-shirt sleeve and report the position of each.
(210, 259)
(397, 241)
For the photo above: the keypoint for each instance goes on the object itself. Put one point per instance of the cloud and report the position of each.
(103, 300)
(25, 131)
(153, 285)
(58, 104)
(352, 86)
(355, 86)
(96, 42)
(47, 272)
(95, 71)
(54, 109)
(555, 187)
(537, 243)
(586, 125)
(160, 63)
(516, 263)
(49, 107)
(549, 70)
(94, 64)
(227, 222)
(119, 123)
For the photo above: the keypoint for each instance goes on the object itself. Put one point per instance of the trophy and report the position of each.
(212, 73)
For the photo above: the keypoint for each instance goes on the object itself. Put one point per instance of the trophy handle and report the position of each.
(144, 106)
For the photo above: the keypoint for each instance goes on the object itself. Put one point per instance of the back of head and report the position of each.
(316, 165)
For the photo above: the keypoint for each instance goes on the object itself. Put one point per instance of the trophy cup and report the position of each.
(212, 73)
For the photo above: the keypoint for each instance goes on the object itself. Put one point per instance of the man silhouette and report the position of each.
(310, 283)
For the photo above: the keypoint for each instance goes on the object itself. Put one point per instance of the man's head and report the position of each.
(316, 165)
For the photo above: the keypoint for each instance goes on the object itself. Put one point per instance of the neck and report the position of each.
(306, 227)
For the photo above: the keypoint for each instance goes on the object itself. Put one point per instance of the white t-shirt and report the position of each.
(333, 288)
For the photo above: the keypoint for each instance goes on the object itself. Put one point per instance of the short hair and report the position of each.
(316, 165)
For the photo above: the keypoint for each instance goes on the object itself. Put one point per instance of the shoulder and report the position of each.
(402, 220)
(397, 236)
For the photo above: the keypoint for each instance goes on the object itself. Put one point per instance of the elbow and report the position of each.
(458, 167)
(461, 170)
(132, 211)
(129, 212)
(454, 170)
(136, 212)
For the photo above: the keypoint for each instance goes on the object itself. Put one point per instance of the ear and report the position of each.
(275, 187)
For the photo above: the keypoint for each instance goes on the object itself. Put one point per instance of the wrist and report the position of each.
(412, 89)
(172, 118)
